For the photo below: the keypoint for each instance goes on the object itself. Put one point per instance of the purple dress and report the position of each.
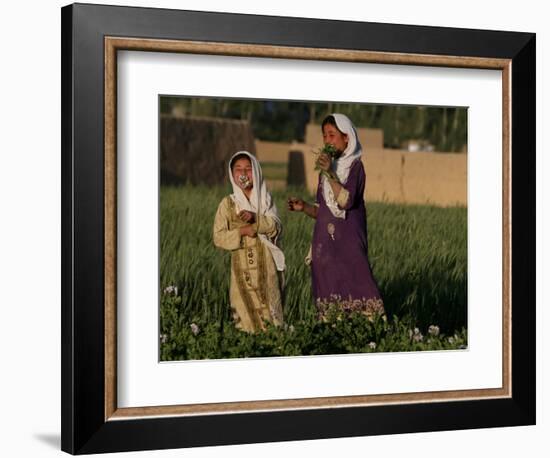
(341, 271)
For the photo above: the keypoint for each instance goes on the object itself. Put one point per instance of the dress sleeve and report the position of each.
(352, 192)
(225, 238)
(268, 226)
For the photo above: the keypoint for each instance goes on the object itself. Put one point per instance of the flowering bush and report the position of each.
(336, 333)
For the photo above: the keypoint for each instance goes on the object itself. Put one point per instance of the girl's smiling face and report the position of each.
(242, 173)
(332, 136)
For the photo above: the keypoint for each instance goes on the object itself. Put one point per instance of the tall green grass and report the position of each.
(418, 254)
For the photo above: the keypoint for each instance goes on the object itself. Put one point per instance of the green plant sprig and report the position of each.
(333, 154)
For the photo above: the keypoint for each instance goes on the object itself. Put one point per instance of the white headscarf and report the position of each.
(260, 203)
(342, 165)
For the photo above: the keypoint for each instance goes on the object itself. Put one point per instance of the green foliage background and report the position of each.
(284, 121)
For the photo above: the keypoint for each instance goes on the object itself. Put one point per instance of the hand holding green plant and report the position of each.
(320, 164)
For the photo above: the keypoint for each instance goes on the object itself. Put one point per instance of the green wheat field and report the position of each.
(419, 258)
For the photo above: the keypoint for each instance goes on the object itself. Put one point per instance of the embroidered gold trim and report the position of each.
(241, 273)
(262, 274)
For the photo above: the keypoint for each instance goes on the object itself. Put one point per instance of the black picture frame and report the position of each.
(84, 426)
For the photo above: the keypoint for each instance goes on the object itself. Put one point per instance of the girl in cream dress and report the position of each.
(247, 224)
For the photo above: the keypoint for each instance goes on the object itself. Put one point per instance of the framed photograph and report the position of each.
(284, 228)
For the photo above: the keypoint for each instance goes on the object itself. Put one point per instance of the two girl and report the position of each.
(248, 225)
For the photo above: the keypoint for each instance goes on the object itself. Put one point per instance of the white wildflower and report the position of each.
(171, 290)
(194, 329)
(372, 345)
(417, 336)
(163, 338)
(433, 330)
(451, 340)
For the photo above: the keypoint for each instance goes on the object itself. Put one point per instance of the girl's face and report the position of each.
(331, 135)
(242, 173)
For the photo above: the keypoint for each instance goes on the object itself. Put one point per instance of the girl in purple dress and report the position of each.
(340, 268)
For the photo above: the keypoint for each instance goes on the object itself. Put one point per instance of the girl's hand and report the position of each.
(248, 230)
(324, 162)
(295, 204)
(247, 217)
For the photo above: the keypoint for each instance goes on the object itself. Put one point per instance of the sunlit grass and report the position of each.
(418, 255)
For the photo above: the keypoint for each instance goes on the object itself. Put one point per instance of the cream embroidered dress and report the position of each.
(257, 263)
